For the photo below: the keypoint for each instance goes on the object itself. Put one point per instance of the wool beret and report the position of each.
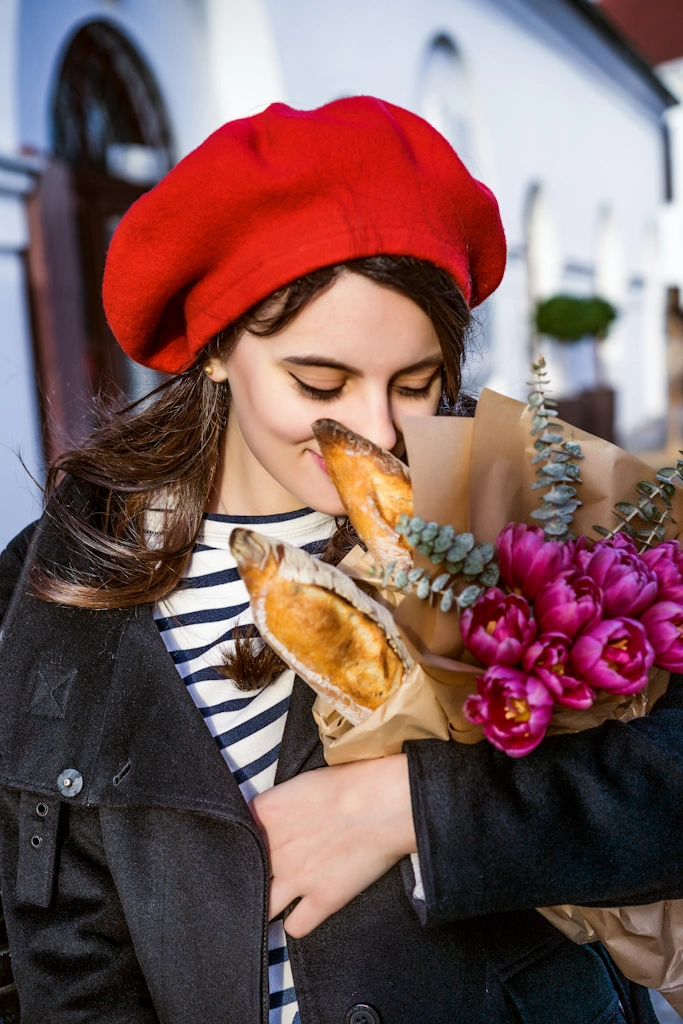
(269, 198)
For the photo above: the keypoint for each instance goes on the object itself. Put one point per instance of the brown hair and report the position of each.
(161, 454)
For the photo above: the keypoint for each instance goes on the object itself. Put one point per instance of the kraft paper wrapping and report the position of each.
(476, 474)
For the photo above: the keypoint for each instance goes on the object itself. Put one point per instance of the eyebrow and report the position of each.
(430, 363)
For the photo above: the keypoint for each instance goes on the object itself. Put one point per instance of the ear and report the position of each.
(216, 369)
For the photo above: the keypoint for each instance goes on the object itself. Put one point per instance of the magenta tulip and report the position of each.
(663, 623)
(628, 585)
(514, 709)
(497, 628)
(614, 655)
(568, 605)
(666, 561)
(528, 561)
(548, 658)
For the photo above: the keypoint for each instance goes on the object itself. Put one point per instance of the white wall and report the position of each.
(548, 116)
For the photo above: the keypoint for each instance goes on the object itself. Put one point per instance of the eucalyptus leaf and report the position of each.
(626, 508)
(417, 524)
(490, 576)
(423, 588)
(572, 471)
(645, 487)
(545, 513)
(440, 582)
(402, 524)
(555, 529)
(457, 552)
(415, 574)
(425, 547)
(446, 602)
(452, 567)
(537, 484)
(401, 579)
(430, 532)
(444, 539)
(474, 563)
(573, 447)
(436, 557)
(560, 493)
(561, 457)
(551, 438)
(467, 540)
(487, 551)
(552, 469)
(468, 597)
(602, 531)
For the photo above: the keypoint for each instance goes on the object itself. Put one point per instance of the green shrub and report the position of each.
(569, 317)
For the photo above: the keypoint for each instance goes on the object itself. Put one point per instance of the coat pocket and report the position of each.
(568, 984)
(38, 828)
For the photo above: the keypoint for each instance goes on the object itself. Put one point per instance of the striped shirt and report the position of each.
(196, 622)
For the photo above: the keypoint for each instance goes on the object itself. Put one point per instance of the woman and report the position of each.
(298, 264)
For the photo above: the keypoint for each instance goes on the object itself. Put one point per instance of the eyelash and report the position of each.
(329, 395)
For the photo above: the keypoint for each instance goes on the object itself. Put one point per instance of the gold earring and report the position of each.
(208, 369)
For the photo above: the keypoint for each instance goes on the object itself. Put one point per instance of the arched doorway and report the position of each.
(111, 141)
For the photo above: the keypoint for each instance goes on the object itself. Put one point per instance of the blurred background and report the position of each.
(568, 109)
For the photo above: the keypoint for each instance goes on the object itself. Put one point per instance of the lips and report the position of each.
(319, 461)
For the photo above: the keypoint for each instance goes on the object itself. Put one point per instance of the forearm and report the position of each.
(592, 818)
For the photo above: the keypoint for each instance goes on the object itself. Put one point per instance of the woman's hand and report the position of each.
(330, 833)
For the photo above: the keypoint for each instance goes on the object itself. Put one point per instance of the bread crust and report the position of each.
(341, 642)
(374, 487)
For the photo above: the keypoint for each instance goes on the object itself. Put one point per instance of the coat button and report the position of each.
(361, 1013)
(70, 782)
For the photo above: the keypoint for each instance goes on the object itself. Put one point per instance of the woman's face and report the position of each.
(358, 353)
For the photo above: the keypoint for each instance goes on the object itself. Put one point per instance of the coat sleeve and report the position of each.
(72, 954)
(594, 818)
(11, 564)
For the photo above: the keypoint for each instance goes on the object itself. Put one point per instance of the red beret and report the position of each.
(269, 198)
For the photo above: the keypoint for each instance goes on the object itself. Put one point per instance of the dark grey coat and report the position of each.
(141, 897)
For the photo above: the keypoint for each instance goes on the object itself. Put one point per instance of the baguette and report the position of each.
(341, 642)
(374, 487)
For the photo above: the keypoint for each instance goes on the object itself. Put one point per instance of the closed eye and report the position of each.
(319, 394)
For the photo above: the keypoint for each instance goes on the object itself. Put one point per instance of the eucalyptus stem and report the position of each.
(557, 470)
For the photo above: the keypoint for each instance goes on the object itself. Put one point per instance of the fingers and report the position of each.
(282, 893)
(308, 914)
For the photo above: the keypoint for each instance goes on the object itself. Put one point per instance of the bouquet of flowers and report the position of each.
(522, 579)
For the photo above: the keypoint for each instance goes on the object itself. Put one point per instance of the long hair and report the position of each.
(154, 461)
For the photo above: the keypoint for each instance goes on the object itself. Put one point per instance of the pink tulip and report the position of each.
(514, 709)
(628, 585)
(666, 561)
(528, 561)
(568, 605)
(614, 655)
(663, 623)
(497, 628)
(548, 658)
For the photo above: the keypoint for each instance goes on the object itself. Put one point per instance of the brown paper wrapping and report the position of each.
(476, 474)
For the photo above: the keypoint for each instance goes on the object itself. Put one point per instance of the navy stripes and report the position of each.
(253, 725)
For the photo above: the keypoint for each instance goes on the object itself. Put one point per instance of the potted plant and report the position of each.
(569, 319)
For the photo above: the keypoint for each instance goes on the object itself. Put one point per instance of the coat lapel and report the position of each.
(300, 742)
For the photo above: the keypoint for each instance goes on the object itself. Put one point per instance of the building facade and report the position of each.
(545, 103)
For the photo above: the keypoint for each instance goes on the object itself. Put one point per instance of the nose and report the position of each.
(374, 419)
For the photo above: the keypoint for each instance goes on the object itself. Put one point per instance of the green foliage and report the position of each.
(462, 561)
(646, 520)
(554, 459)
(570, 318)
